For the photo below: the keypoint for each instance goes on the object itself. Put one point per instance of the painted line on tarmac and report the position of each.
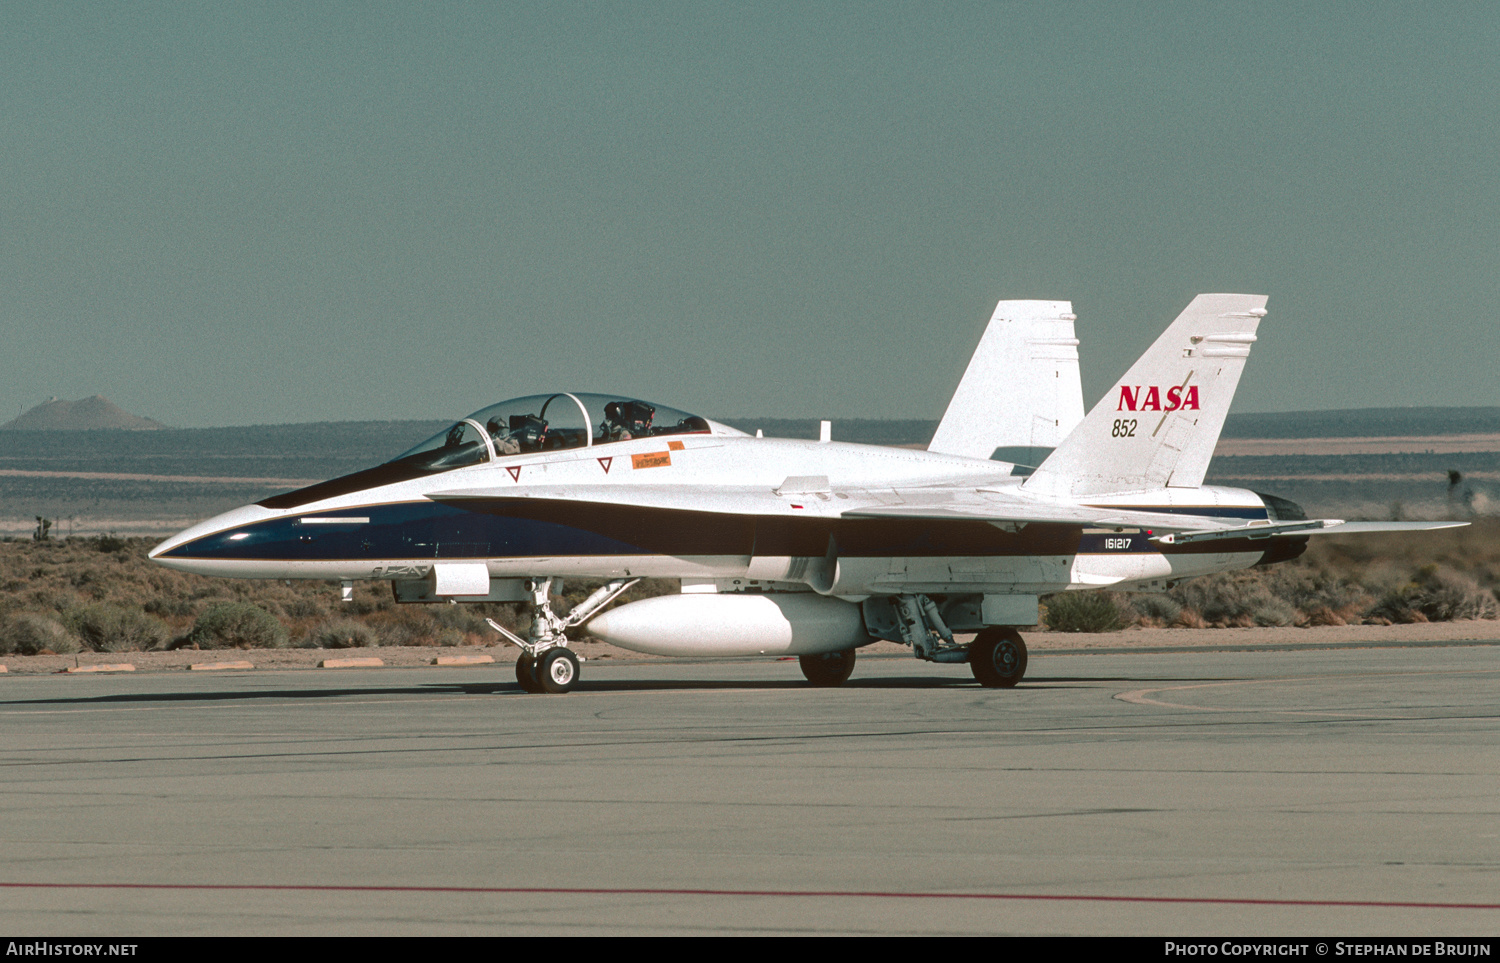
(1255, 647)
(250, 702)
(1141, 697)
(793, 893)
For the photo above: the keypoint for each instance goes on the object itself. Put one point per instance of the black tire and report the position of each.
(557, 671)
(828, 668)
(998, 657)
(526, 673)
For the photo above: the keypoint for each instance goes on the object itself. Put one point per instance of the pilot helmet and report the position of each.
(631, 416)
(529, 431)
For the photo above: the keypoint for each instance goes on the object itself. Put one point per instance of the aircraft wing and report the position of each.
(813, 496)
(1022, 513)
(1315, 526)
(1176, 529)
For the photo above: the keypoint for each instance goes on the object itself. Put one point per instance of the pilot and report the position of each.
(529, 432)
(624, 420)
(505, 444)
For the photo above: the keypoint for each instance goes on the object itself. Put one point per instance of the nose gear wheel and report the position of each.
(526, 672)
(557, 671)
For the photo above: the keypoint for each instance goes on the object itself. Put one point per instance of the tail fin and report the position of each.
(1020, 395)
(1157, 427)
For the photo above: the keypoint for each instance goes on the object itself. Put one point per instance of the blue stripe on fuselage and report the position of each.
(405, 530)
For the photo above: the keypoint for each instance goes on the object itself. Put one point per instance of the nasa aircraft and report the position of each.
(791, 547)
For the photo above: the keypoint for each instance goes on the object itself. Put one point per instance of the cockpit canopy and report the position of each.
(556, 422)
(540, 423)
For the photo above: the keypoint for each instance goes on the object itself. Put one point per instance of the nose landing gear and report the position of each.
(546, 664)
(556, 671)
(526, 672)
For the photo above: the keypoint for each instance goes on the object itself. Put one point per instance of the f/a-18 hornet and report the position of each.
(798, 547)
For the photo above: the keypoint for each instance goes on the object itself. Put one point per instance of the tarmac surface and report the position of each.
(1286, 790)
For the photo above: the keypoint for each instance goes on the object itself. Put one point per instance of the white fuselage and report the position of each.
(771, 499)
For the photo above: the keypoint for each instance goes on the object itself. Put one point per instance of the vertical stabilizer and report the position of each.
(1157, 427)
(1021, 394)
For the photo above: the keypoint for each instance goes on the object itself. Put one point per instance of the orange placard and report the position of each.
(651, 459)
(675, 445)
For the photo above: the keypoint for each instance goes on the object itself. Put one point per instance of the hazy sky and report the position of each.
(237, 213)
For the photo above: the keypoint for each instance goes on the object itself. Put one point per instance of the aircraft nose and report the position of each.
(246, 515)
(176, 541)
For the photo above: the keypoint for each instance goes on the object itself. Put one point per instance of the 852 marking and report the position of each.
(1124, 428)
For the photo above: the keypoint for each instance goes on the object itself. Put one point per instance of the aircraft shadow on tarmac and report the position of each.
(641, 685)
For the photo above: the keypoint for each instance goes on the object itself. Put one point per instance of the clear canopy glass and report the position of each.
(463, 444)
(554, 422)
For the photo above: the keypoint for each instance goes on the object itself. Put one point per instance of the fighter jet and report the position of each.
(797, 547)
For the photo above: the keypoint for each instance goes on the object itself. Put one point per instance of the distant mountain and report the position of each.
(89, 414)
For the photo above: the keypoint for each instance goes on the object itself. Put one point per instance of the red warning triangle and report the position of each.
(605, 463)
(515, 473)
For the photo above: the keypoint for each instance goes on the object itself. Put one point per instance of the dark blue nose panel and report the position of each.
(408, 530)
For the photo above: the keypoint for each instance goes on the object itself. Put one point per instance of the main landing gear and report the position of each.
(828, 668)
(998, 657)
(546, 664)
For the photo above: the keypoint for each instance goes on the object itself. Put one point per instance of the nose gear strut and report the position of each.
(546, 664)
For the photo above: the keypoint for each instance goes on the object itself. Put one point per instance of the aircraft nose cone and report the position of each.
(246, 515)
(181, 538)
